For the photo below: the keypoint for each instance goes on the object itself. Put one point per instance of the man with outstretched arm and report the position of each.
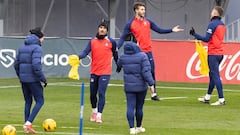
(141, 27)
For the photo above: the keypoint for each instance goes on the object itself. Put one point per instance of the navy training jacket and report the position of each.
(136, 68)
(28, 64)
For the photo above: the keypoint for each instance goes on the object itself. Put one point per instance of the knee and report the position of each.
(40, 102)
(130, 108)
(28, 101)
(130, 112)
(101, 95)
(139, 111)
(92, 96)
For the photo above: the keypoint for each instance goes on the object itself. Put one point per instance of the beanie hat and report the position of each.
(104, 24)
(37, 31)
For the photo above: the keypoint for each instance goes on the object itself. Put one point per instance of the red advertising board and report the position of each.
(177, 61)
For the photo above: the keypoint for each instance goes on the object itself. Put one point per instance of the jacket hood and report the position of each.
(131, 48)
(32, 39)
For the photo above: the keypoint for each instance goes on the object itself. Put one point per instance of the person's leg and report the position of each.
(211, 85)
(131, 104)
(93, 90)
(216, 78)
(102, 83)
(151, 60)
(139, 107)
(31, 90)
(37, 92)
(212, 65)
(139, 111)
(214, 61)
(93, 95)
(28, 100)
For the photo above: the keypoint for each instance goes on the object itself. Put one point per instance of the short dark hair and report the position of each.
(37, 31)
(136, 5)
(219, 10)
(104, 23)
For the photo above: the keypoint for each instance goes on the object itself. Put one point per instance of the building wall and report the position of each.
(186, 13)
(232, 11)
(79, 18)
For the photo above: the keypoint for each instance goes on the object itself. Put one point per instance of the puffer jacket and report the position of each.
(136, 68)
(28, 61)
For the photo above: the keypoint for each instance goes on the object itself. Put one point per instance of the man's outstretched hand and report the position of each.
(177, 29)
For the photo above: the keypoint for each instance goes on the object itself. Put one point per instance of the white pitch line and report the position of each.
(160, 87)
(77, 127)
(55, 133)
(13, 86)
(67, 133)
(173, 98)
(60, 127)
(59, 133)
(119, 85)
(166, 98)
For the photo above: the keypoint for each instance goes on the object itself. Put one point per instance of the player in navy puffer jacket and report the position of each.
(29, 70)
(28, 63)
(137, 78)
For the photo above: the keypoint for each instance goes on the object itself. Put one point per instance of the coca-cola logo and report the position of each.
(7, 57)
(230, 66)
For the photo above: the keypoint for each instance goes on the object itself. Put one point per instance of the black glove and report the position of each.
(192, 31)
(45, 84)
(118, 69)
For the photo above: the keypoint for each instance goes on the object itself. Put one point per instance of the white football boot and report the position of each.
(218, 103)
(140, 130)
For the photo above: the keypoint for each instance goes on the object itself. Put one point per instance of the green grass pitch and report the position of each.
(179, 114)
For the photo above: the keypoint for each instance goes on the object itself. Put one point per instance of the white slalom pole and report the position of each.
(81, 109)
